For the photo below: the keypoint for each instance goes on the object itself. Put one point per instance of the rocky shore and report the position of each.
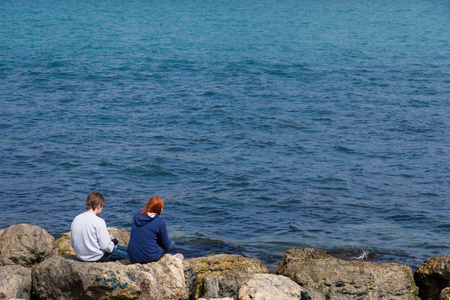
(35, 266)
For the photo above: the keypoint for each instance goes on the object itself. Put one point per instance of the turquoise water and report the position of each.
(262, 124)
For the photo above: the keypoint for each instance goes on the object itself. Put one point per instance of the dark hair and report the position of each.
(154, 205)
(94, 199)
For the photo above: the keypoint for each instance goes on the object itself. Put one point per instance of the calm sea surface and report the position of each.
(262, 124)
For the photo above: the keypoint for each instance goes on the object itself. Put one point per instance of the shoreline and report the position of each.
(272, 260)
(31, 254)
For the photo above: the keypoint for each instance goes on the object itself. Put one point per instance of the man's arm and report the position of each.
(104, 240)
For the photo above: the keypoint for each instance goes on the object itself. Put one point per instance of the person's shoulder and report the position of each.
(80, 216)
(91, 217)
(99, 219)
(136, 215)
(160, 220)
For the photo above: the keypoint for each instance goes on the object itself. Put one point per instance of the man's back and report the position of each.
(90, 237)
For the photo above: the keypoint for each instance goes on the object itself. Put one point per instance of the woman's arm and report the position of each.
(164, 237)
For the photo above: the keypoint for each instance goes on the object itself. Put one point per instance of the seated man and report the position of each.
(89, 236)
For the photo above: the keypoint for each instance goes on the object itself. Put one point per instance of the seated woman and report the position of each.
(149, 240)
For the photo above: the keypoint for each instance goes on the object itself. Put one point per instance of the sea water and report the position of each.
(262, 124)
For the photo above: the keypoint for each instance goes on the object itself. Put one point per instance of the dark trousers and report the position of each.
(119, 252)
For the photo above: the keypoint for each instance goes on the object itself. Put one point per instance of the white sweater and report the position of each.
(89, 237)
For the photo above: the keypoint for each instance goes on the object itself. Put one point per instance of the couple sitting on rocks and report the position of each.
(148, 242)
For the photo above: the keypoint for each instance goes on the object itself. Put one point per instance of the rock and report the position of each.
(64, 247)
(445, 294)
(190, 279)
(275, 287)
(339, 279)
(224, 263)
(64, 277)
(433, 276)
(218, 286)
(246, 286)
(121, 234)
(15, 282)
(63, 244)
(296, 254)
(26, 245)
(226, 298)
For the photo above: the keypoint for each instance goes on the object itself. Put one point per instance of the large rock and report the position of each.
(64, 277)
(246, 286)
(222, 264)
(15, 282)
(433, 276)
(64, 247)
(26, 245)
(339, 279)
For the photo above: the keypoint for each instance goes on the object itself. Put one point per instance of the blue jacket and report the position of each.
(148, 239)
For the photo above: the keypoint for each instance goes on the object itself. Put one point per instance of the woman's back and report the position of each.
(148, 239)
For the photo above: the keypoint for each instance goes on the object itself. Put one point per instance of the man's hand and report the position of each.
(115, 241)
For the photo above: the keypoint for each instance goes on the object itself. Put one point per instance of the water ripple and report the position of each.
(263, 125)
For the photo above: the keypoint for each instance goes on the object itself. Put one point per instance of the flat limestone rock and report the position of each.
(64, 277)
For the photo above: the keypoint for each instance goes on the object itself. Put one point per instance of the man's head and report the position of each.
(94, 199)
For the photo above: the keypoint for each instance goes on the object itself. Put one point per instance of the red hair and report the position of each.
(154, 205)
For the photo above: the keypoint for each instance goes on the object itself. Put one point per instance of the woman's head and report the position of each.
(154, 205)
